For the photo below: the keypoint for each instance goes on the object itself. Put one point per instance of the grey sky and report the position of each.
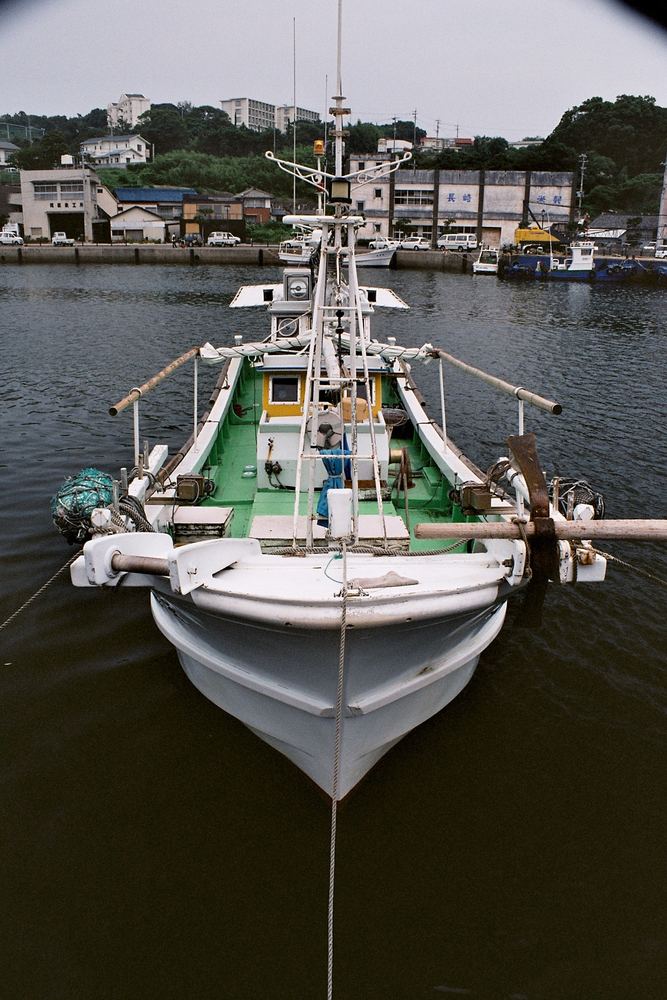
(483, 67)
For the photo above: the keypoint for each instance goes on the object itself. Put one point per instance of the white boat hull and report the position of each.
(281, 682)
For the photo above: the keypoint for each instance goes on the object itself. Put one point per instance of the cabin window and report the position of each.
(284, 389)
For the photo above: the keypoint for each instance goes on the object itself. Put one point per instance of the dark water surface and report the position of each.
(512, 847)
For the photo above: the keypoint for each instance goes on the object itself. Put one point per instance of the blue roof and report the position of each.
(152, 194)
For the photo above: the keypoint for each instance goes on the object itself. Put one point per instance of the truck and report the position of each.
(62, 240)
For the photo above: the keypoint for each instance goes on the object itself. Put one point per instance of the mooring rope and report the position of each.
(41, 590)
(635, 569)
(336, 779)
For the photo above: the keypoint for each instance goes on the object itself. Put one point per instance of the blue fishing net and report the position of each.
(75, 500)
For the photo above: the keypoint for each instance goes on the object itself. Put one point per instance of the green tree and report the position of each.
(163, 127)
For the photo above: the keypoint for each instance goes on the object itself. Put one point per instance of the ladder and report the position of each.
(328, 318)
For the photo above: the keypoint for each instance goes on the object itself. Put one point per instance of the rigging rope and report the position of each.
(627, 565)
(336, 779)
(41, 590)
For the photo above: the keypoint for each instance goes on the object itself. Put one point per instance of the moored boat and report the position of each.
(327, 563)
(487, 261)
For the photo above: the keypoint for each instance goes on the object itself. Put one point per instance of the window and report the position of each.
(410, 196)
(284, 389)
(362, 165)
(44, 192)
(378, 192)
(360, 206)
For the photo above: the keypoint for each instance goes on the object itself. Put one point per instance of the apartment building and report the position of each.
(128, 109)
(287, 113)
(260, 116)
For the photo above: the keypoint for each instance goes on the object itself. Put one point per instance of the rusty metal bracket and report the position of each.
(543, 546)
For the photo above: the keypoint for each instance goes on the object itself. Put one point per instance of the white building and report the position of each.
(139, 225)
(128, 109)
(386, 145)
(69, 199)
(6, 150)
(115, 150)
(259, 116)
(491, 203)
(285, 115)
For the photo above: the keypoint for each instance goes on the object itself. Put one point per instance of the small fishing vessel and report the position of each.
(487, 261)
(577, 265)
(306, 251)
(327, 563)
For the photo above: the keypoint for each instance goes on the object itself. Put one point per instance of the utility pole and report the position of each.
(661, 234)
(582, 170)
(414, 131)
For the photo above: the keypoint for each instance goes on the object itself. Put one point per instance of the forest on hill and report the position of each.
(625, 142)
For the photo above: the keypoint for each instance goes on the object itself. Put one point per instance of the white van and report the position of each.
(458, 241)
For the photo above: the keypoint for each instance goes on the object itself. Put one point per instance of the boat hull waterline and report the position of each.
(281, 682)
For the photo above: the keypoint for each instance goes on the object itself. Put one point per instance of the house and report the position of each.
(204, 213)
(167, 202)
(256, 205)
(621, 231)
(115, 150)
(68, 199)
(7, 149)
(127, 110)
(140, 225)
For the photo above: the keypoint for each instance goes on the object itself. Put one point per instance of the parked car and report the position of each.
(414, 243)
(191, 240)
(649, 247)
(11, 239)
(661, 251)
(458, 241)
(222, 240)
(382, 243)
(62, 240)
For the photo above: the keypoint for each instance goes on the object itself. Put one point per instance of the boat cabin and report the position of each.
(279, 431)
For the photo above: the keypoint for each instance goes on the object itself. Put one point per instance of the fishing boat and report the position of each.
(306, 251)
(487, 261)
(327, 563)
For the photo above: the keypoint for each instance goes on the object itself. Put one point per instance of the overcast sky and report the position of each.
(476, 66)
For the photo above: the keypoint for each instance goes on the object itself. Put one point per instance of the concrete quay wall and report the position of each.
(266, 256)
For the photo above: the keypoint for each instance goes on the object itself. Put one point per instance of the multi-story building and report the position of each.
(115, 150)
(287, 113)
(260, 116)
(128, 109)
(490, 203)
(69, 199)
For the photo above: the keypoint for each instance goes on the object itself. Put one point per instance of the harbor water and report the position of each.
(154, 849)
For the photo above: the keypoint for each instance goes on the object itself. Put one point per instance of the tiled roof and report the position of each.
(163, 195)
(112, 138)
(619, 220)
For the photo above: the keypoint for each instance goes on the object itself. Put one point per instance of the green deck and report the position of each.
(235, 448)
